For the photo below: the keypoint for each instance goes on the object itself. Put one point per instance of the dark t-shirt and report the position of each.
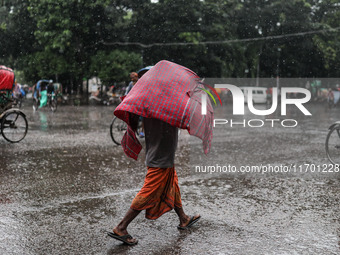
(50, 88)
(161, 143)
(43, 86)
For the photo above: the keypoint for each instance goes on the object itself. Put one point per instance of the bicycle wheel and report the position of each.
(117, 130)
(330, 104)
(16, 103)
(14, 126)
(333, 145)
(36, 104)
(20, 102)
(53, 105)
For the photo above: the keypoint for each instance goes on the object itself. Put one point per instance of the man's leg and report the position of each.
(121, 228)
(129, 216)
(183, 218)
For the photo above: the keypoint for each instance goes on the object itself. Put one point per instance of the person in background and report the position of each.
(134, 79)
(39, 93)
(44, 88)
(330, 98)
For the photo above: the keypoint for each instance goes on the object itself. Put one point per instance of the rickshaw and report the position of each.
(49, 99)
(13, 122)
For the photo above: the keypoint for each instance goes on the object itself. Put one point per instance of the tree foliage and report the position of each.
(114, 66)
(70, 40)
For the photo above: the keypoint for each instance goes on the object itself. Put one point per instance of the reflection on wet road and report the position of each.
(67, 183)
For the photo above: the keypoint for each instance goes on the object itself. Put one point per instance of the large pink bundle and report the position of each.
(168, 92)
(6, 78)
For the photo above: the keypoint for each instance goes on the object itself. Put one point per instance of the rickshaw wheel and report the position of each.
(14, 126)
(117, 130)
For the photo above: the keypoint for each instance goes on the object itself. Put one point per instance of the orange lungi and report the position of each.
(159, 194)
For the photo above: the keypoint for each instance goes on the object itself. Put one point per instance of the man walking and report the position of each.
(162, 97)
(160, 192)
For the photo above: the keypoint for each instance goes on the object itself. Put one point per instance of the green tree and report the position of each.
(71, 32)
(327, 16)
(16, 32)
(296, 56)
(69, 40)
(114, 66)
(167, 24)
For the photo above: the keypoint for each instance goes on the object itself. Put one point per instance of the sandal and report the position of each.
(192, 221)
(123, 239)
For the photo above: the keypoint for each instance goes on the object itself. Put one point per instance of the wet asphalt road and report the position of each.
(66, 184)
